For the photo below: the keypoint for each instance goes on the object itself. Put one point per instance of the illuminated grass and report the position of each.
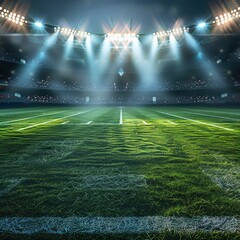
(179, 160)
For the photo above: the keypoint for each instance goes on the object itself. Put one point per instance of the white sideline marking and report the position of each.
(89, 123)
(22, 119)
(121, 117)
(204, 123)
(108, 225)
(213, 116)
(44, 123)
(145, 123)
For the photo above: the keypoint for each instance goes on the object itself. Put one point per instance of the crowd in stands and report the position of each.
(48, 83)
(78, 85)
(55, 99)
(186, 84)
(121, 100)
(143, 99)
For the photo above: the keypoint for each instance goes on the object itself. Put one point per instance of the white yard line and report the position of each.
(44, 123)
(145, 123)
(117, 225)
(213, 116)
(89, 123)
(121, 117)
(23, 119)
(196, 121)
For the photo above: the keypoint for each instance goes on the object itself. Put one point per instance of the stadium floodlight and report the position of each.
(227, 17)
(12, 17)
(69, 31)
(175, 32)
(38, 24)
(202, 25)
(121, 40)
(122, 37)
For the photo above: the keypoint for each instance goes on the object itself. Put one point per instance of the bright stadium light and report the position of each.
(12, 17)
(176, 32)
(121, 40)
(227, 17)
(38, 24)
(202, 25)
(121, 37)
(69, 31)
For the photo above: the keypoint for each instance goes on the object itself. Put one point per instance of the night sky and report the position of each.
(94, 14)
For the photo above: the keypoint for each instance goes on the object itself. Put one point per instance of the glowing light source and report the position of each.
(121, 40)
(202, 25)
(12, 17)
(70, 31)
(38, 24)
(121, 37)
(175, 32)
(227, 17)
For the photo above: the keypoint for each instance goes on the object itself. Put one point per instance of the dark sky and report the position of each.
(98, 13)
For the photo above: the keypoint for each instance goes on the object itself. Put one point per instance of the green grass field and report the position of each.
(116, 166)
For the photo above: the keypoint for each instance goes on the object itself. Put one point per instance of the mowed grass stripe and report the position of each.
(54, 120)
(98, 116)
(213, 111)
(151, 117)
(135, 117)
(196, 121)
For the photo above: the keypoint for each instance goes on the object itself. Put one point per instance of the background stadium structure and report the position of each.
(51, 64)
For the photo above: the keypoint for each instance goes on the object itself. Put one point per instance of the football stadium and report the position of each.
(120, 119)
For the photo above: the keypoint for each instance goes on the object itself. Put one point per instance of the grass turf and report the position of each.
(189, 159)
